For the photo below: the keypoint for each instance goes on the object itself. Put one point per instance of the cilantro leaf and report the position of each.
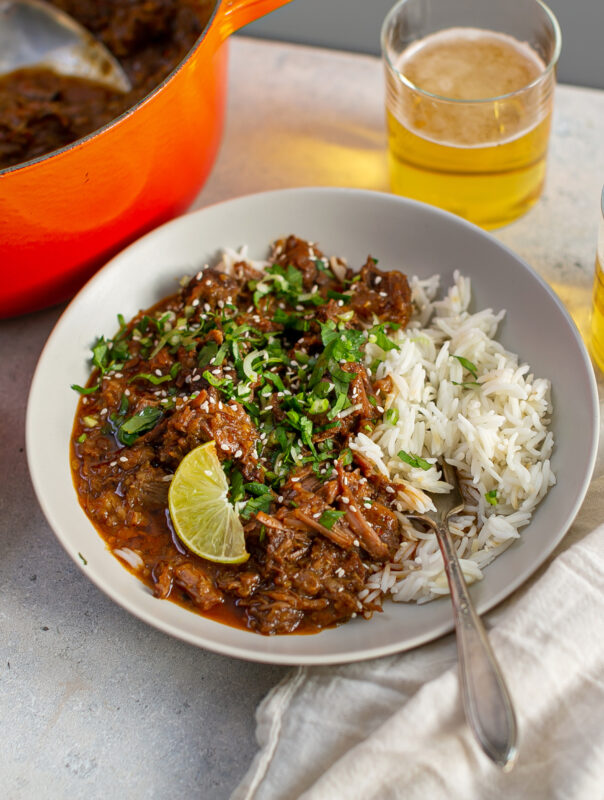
(87, 390)
(378, 336)
(329, 517)
(466, 364)
(256, 504)
(414, 461)
(143, 421)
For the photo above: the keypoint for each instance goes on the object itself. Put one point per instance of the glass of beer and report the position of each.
(597, 311)
(469, 97)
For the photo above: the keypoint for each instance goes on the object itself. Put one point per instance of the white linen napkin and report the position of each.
(394, 727)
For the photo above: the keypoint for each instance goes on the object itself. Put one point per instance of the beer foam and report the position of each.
(470, 64)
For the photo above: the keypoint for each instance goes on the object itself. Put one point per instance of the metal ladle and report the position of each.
(34, 33)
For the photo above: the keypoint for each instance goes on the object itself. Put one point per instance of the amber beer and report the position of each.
(468, 115)
(597, 312)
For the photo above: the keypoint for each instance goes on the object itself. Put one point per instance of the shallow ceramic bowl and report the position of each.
(402, 234)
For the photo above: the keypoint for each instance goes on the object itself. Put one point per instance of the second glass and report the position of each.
(469, 97)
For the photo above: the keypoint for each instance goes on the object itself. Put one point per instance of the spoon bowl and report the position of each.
(34, 33)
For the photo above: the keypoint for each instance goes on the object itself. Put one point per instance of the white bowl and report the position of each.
(402, 234)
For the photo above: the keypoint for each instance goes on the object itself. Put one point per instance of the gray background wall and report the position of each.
(355, 25)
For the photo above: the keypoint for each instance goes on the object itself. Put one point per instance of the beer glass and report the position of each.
(469, 97)
(597, 311)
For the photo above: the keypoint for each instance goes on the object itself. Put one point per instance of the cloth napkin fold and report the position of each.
(394, 727)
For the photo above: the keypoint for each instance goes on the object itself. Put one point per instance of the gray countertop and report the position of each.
(93, 702)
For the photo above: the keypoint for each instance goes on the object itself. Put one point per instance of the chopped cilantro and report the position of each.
(256, 504)
(145, 420)
(414, 461)
(329, 517)
(378, 336)
(466, 364)
(87, 390)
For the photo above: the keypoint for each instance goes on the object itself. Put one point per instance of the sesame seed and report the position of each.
(383, 294)
(345, 500)
(118, 375)
(208, 472)
(206, 307)
(123, 459)
(280, 498)
(195, 302)
(378, 280)
(295, 480)
(390, 489)
(127, 392)
(316, 515)
(239, 453)
(380, 409)
(196, 378)
(158, 372)
(113, 464)
(356, 543)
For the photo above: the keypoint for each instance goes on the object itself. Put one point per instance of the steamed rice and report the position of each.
(495, 433)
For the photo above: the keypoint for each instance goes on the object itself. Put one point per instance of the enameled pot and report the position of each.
(64, 214)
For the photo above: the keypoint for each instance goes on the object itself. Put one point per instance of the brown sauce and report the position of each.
(41, 111)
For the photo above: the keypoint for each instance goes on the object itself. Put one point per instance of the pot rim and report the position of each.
(130, 110)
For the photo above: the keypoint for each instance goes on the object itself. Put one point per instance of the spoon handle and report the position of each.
(486, 700)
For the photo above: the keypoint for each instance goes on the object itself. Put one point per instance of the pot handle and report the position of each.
(237, 13)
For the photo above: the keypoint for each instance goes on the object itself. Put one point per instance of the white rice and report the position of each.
(496, 434)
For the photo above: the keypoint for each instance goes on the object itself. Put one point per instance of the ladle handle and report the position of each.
(486, 699)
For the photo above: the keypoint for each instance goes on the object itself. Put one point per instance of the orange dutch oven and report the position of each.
(63, 215)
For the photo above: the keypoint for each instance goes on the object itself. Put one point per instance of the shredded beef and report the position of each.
(270, 367)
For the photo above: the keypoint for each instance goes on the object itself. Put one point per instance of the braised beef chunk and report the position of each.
(384, 294)
(269, 364)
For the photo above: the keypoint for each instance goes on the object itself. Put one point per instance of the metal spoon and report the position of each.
(36, 34)
(486, 699)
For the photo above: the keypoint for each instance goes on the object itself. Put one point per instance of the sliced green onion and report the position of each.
(391, 416)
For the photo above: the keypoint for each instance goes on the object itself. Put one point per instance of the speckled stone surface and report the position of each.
(94, 703)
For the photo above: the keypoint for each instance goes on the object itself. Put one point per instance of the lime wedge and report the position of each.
(202, 516)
